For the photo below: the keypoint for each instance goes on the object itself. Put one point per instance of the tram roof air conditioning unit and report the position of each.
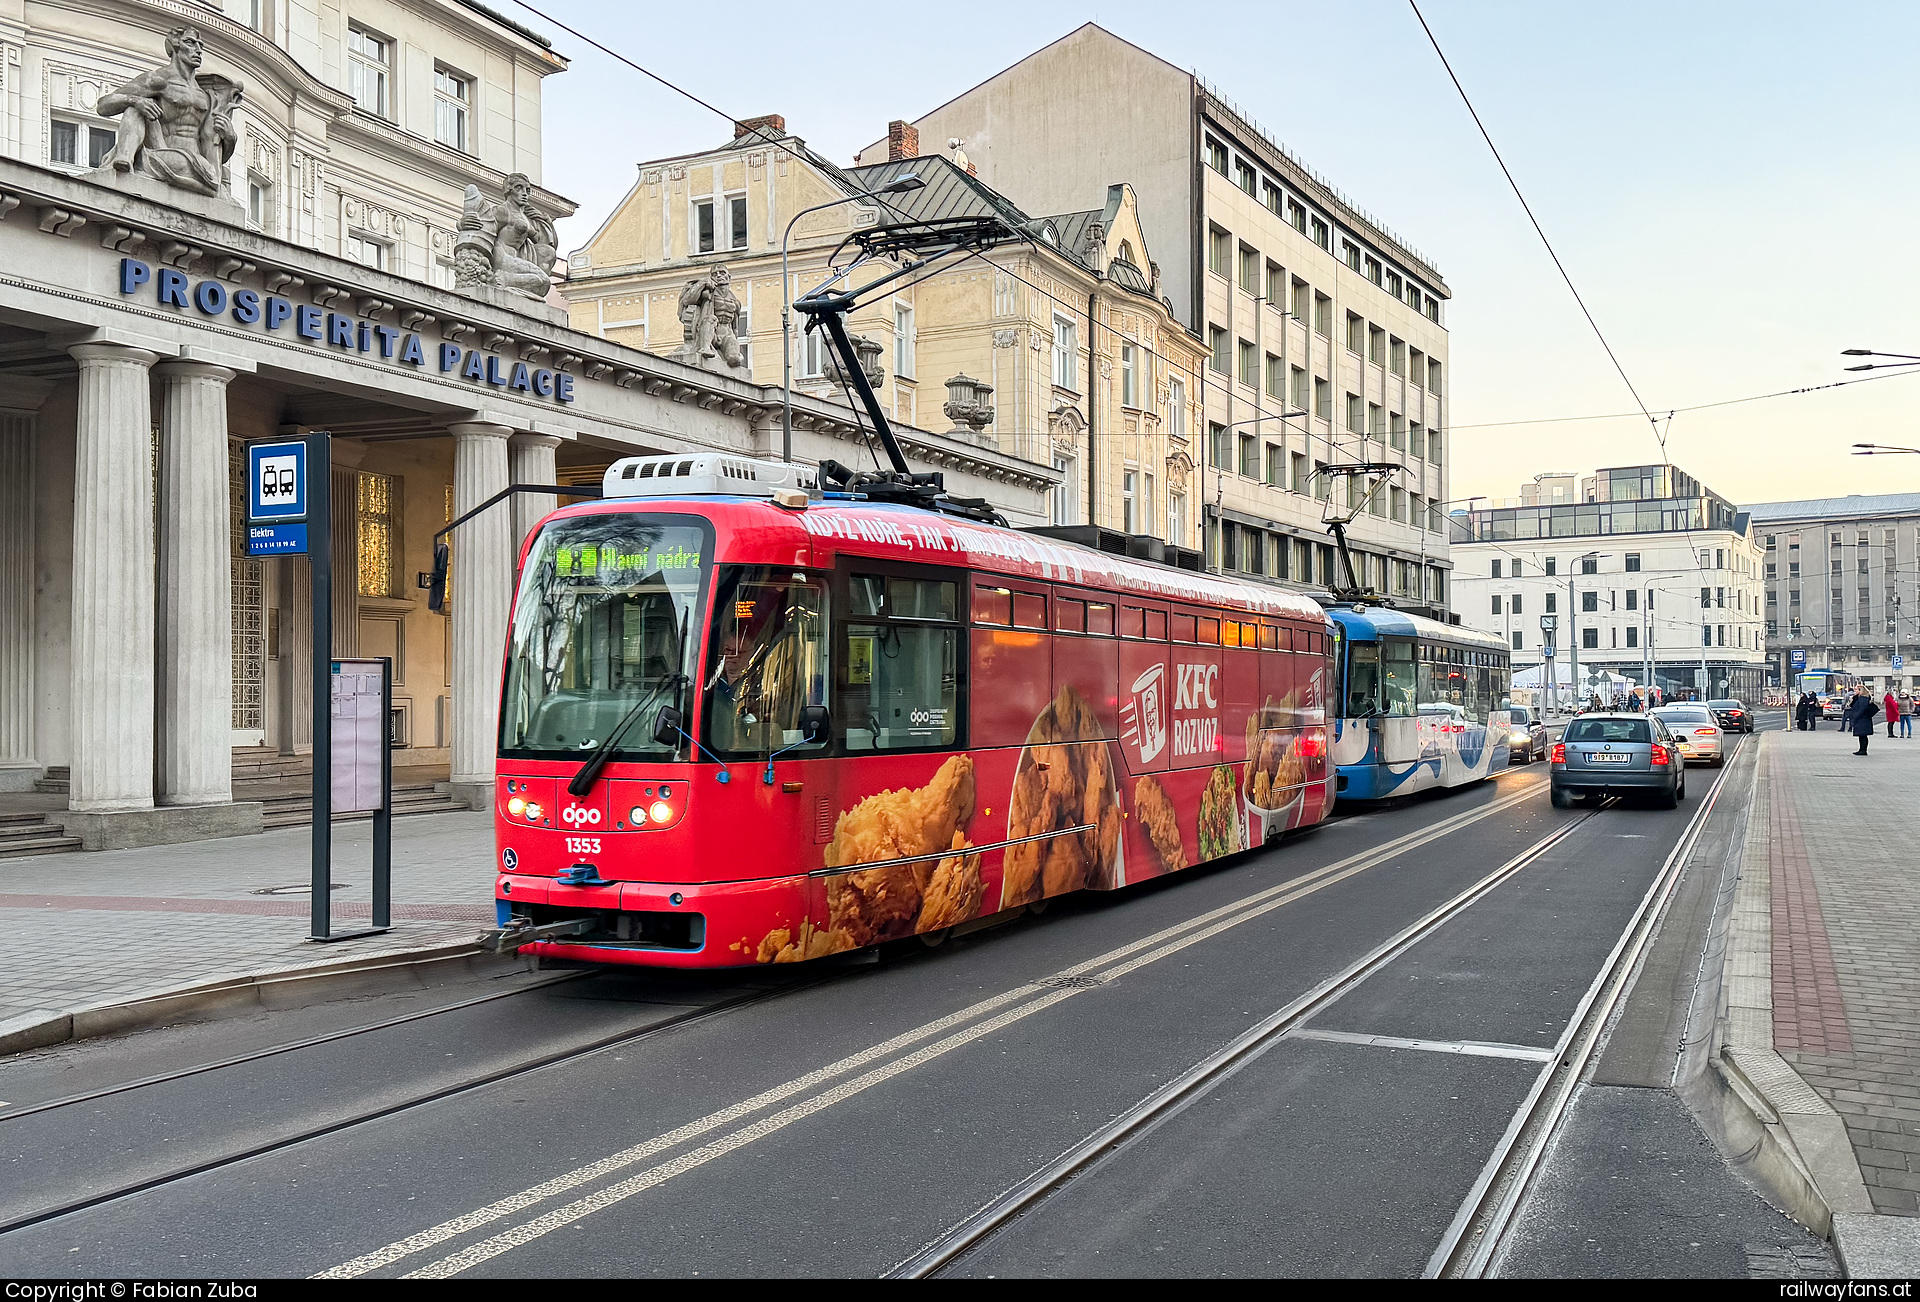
(684, 475)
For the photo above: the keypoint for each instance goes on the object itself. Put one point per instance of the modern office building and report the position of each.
(1843, 584)
(1645, 572)
(1324, 331)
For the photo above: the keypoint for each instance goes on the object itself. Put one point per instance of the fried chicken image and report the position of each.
(782, 946)
(1160, 821)
(953, 890)
(1274, 773)
(1065, 780)
(895, 899)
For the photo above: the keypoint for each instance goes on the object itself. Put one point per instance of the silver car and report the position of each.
(1701, 738)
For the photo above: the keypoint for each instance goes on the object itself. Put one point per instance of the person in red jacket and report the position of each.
(1892, 706)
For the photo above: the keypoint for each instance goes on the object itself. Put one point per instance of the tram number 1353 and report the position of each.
(583, 845)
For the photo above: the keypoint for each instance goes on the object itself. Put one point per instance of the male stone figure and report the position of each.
(175, 126)
(708, 310)
(509, 245)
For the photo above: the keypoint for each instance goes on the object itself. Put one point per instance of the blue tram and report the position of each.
(1421, 704)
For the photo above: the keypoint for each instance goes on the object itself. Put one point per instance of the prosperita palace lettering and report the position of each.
(321, 328)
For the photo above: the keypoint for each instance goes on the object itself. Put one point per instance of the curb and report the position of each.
(1790, 1139)
(285, 987)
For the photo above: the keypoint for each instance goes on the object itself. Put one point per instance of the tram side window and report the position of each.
(1069, 615)
(1100, 618)
(1133, 622)
(1230, 632)
(1397, 686)
(769, 659)
(992, 606)
(1269, 638)
(1156, 626)
(1363, 680)
(1208, 633)
(1183, 628)
(900, 686)
(1029, 610)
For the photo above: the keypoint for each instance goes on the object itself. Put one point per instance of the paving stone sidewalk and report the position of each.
(81, 929)
(1844, 853)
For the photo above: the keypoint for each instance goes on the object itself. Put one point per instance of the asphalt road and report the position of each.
(833, 1121)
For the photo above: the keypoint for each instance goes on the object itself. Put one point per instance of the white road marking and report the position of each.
(1191, 931)
(1467, 1048)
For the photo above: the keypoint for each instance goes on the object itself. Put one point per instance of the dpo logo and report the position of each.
(579, 816)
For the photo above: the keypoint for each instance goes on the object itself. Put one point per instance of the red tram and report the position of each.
(741, 724)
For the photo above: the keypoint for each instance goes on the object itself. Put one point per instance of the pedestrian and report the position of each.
(1803, 713)
(1892, 706)
(1858, 717)
(1906, 715)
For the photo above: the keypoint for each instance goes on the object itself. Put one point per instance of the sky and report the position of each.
(1724, 183)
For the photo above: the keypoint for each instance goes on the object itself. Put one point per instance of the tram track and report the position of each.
(1478, 1230)
(1471, 1246)
(366, 1116)
(1179, 1093)
(1061, 985)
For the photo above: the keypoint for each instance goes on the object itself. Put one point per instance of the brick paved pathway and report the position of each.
(79, 929)
(1845, 861)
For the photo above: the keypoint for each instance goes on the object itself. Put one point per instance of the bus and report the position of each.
(1421, 704)
(1830, 687)
(746, 722)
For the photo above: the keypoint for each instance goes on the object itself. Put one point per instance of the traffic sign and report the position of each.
(1797, 659)
(277, 481)
(1899, 663)
(1549, 622)
(277, 539)
(1547, 650)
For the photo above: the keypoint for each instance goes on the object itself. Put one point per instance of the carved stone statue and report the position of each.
(709, 312)
(506, 246)
(175, 126)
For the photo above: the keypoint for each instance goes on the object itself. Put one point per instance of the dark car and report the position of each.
(1526, 735)
(1611, 753)
(1731, 715)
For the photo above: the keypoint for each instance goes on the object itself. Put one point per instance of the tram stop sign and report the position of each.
(277, 498)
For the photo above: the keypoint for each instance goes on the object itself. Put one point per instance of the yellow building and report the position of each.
(1061, 350)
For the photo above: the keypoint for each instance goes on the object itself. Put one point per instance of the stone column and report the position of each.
(194, 757)
(18, 766)
(532, 463)
(482, 592)
(113, 591)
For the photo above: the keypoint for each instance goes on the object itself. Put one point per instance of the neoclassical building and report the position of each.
(218, 226)
(1061, 350)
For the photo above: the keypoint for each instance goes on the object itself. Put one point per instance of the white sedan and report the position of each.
(1702, 740)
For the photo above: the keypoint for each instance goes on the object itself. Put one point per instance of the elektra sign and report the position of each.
(338, 330)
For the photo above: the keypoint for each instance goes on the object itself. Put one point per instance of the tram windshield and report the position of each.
(604, 635)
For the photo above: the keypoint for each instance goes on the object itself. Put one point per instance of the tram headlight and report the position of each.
(516, 806)
(533, 811)
(660, 812)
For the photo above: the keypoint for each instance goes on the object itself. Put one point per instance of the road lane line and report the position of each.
(1221, 919)
(1466, 1048)
(600, 1200)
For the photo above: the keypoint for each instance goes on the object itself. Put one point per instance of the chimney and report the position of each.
(903, 141)
(772, 123)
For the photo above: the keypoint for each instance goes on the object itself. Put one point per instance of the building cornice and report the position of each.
(74, 208)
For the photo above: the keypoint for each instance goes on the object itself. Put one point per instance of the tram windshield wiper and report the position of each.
(582, 782)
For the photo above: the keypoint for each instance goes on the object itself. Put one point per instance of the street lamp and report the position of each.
(1879, 449)
(1903, 359)
(899, 185)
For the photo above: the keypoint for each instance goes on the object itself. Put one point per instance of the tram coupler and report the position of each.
(507, 939)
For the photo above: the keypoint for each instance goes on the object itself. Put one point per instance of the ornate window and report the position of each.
(452, 95)
(377, 521)
(367, 64)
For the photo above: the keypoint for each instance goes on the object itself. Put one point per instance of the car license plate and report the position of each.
(1607, 759)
